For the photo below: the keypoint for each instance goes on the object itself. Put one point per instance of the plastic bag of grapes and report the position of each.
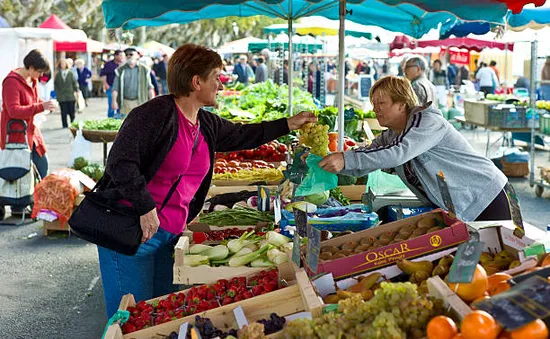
(317, 179)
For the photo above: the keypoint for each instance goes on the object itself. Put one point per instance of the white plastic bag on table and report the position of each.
(81, 148)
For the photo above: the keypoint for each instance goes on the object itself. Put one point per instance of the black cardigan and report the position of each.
(149, 132)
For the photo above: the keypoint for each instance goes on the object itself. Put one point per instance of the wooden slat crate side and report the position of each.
(439, 289)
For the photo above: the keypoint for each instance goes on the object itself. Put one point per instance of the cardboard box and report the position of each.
(205, 274)
(478, 111)
(298, 297)
(450, 236)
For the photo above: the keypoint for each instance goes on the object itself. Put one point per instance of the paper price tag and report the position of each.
(464, 265)
(368, 201)
(263, 199)
(296, 255)
(521, 304)
(445, 194)
(399, 212)
(240, 317)
(515, 211)
(183, 331)
(313, 247)
(300, 219)
(277, 207)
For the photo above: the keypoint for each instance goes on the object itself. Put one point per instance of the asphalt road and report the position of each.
(50, 286)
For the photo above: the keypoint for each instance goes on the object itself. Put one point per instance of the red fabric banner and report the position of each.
(460, 58)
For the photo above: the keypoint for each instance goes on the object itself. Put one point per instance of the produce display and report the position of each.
(200, 299)
(108, 124)
(365, 287)
(259, 329)
(543, 104)
(423, 226)
(229, 233)
(395, 311)
(248, 249)
(271, 152)
(315, 136)
(236, 216)
(94, 171)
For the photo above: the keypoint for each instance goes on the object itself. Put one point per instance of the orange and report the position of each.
(499, 288)
(546, 261)
(458, 336)
(441, 327)
(534, 330)
(473, 290)
(497, 277)
(479, 325)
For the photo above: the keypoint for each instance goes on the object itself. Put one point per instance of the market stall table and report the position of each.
(104, 137)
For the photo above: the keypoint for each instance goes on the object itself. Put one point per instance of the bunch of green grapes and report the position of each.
(315, 137)
(396, 311)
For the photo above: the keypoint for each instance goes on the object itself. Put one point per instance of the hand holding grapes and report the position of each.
(333, 163)
(297, 121)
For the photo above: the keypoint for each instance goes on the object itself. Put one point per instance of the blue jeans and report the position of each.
(164, 86)
(147, 274)
(110, 111)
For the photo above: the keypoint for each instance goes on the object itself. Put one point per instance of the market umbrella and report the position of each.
(320, 26)
(460, 28)
(157, 48)
(536, 18)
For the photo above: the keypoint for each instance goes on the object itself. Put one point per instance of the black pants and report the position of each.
(499, 209)
(67, 109)
(486, 89)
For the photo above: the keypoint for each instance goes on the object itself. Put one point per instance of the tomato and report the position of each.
(233, 163)
(270, 149)
(271, 166)
(259, 162)
(249, 154)
(282, 157)
(240, 158)
(221, 161)
(246, 165)
(283, 148)
(346, 147)
(232, 170)
(233, 155)
(263, 147)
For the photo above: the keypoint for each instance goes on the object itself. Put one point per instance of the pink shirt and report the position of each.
(193, 167)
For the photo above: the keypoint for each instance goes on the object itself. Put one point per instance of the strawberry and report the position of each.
(257, 290)
(128, 328)
(272, 286)
(247, 295)
(227, 300)
(232, 292)
(213, 304)
(239, 297)
(141, 305)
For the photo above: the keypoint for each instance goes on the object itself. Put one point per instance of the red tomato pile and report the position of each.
(199, 299)
(233, 166)
(271, 152)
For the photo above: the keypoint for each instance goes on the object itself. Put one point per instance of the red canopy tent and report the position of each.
(65, 44)
(466, 43)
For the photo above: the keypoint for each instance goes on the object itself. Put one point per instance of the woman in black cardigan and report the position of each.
(168, 137)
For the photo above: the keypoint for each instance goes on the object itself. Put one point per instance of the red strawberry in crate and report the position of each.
(226, 301)
(128, 327)
(257, 290)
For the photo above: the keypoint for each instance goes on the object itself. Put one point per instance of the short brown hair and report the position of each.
(37, 61)
(186, 62)
(398, 88)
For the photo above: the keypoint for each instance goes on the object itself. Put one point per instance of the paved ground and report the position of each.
(50, 286)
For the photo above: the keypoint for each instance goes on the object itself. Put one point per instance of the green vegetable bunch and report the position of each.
(108, 124)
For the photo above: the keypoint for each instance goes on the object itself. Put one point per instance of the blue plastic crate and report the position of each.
(407, 211)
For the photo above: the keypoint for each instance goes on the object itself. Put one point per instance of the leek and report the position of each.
(195, 260)
(198, 248)
(219, 252)
(243, 251)
(276, 239)
(247, 258)
(261, 262)
(277, 257)
(235, 245)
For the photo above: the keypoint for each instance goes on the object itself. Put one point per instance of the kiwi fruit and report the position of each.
(344, 251)
(387, 236)
(381, 242)
(325, 256)
(428, 222)
(399, 238)
(362, 248)
(330, 249)
(367, 241)
(419, 231)
(350, 245)
(338, 256)
(434, 229)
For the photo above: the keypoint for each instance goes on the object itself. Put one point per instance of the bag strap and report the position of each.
(175, 185)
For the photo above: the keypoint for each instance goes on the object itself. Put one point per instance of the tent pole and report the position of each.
(533, 106)
(290, 58)
(341, 74)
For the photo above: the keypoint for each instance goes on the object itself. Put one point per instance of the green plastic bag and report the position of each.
(317, 179)
(383, 183)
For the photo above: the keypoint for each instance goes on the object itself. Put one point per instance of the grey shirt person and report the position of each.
(261, 73)
(424, 90)
(131, 83)
(430, 144)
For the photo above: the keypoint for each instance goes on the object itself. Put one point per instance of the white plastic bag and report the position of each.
(80, 102)
(81, 148)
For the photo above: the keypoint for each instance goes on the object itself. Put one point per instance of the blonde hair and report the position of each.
(79, 62)
(397, 88)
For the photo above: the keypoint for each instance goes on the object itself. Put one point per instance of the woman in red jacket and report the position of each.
(20, 101)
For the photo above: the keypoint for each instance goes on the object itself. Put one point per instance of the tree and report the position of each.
(25, 13)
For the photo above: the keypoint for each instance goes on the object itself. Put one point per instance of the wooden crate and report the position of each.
(54, 226)
(237, 183)
(299, 297)
(353, 192)
(439, 289)
(215, 190)
(477, 112)
(205, 274)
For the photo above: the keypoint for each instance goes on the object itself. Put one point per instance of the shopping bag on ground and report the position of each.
(317, 180)
(80, 102)
(383, 183)
(81, 148)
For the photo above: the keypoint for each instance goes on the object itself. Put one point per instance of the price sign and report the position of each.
(240, 317)
(300, 219)
(445, 194)
(263, 199)
(368, 200)
(521, 304)
(467, 256)
(184, 328)
(296, 250)
(277, 207)
(515, 211)
(313, 247)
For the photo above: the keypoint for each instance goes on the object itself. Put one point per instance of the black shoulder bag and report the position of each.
(101, 220)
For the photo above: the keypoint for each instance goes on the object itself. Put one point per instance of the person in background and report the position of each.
(108, 77)
(253, 65)
(415, 71)
(261, 71)
(493, 65)
(160, 71)
(438, 77)
(243, 70)
(43, 86)
(545, 77)
(418, 144)
(452, 72)
(462, 75)
(132, 86)
(20, 101)
(170, 137)
(487, 78)
(66, 91)
(277, 75)
(84, 79)
(314, 76)
(523, 82)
